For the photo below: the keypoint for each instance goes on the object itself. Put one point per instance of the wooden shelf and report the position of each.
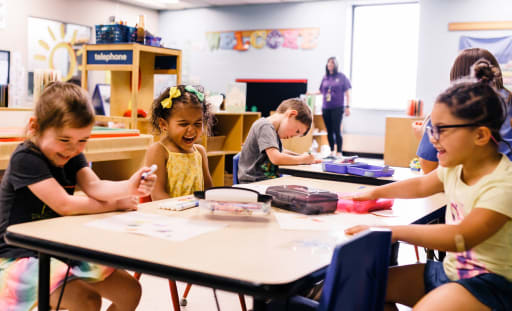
(132, 67)
(235, 127)
(215, 153)
(113, 158)
(133, 83)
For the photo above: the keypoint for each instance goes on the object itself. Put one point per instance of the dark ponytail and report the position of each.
(475, 98)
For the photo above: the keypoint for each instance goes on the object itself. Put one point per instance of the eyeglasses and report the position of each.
(434, 131)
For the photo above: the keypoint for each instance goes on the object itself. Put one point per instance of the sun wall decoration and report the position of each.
(57, 44)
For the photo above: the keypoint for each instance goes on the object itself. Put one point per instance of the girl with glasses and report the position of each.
(476, 273)
(461, 68)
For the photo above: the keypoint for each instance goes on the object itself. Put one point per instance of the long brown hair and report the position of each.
(467, 58)
(63, 104)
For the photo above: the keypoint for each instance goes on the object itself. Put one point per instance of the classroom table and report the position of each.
(250, 255)
(316, 171)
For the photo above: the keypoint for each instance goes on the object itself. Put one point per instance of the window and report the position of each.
(384, 55)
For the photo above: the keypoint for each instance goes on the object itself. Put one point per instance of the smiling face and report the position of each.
(290, 126)
(455, 145)
(59, 145)
(184, 126)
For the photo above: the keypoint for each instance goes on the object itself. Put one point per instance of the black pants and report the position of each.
(332, 119)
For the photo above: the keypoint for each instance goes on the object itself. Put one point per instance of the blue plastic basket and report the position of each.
(340, 168)
(370, 170)
(114, 33)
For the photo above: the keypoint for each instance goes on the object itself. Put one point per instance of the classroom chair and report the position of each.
(236, 158)
(355, 280)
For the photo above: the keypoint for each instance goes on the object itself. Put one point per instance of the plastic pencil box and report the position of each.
(335, 167)
(233, 201)
(370, 170)
(339, 166)
(303, 200)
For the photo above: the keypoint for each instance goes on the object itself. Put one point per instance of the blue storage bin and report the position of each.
(152, 40)
(332, 167)
(370, 170)
(114, 33)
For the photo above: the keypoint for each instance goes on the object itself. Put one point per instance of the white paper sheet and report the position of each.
(158, 226)
(328, 222)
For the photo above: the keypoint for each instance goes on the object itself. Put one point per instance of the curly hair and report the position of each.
(186, 98)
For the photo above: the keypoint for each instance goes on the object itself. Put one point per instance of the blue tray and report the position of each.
(370, 170)
(340, 168)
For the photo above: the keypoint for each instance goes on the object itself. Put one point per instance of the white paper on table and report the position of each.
(158, 226)
(326, 222)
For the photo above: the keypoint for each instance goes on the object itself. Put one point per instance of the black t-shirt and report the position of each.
(18, 204)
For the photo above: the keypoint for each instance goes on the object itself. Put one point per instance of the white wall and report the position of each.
(187, 29)
(438, 47)
(90, 13)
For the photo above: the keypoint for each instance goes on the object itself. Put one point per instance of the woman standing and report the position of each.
(335, 87)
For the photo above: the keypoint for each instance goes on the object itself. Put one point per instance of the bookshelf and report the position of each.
(132, 68)
(234, 127)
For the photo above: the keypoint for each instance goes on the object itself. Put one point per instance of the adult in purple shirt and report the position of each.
(335, 87)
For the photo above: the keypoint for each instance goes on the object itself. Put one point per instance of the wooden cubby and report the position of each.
(235, 127)
(132, 83)
(146, 62)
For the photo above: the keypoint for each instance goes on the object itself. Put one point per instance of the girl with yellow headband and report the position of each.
(180, 114)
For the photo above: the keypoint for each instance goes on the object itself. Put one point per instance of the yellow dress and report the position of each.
(184, 173)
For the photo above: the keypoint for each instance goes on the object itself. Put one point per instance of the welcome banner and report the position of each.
(243, 40)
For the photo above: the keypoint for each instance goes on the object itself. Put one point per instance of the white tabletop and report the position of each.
(253, 250)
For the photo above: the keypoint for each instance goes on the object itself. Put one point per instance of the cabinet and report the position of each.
(317, 132)
(132, 68)
(234, 128)
(400, 144)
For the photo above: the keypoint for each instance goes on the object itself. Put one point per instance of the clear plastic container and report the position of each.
(233, 201)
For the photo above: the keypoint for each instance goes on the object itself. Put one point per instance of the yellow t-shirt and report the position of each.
(184, 173)
(494, 192)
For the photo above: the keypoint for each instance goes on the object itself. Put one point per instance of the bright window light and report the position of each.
(384, 55)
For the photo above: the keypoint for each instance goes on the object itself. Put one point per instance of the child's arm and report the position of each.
(208, 183)
(156, 154)
(479, 225)
(280, 158)
(417, 187)
(53, 194)
(289, 152)
(105, 190)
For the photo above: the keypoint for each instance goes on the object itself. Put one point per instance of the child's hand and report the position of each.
(417, 128)
(127, 204)
(310, 159)
(356, 229)
(142, 186)
(361, 196)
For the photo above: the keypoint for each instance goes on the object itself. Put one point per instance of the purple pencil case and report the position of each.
(302, 199)
(370, 170)
(332, 167)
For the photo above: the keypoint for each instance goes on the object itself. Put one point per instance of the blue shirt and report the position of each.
(427, 151)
